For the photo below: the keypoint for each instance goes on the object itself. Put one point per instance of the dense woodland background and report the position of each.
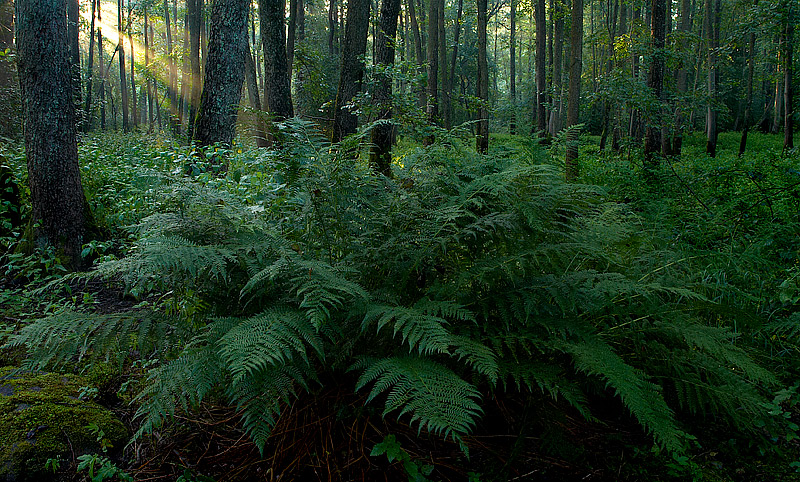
(399, 240)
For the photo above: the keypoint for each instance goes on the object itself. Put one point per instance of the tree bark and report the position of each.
(101, 91)
(788, 71)
(277, 95)
(333, 21)
(73, 29)
(749, 96)
(432, 52)
(255, 98)
(194, 12)
(351, 72)
(87, 122)
(123, 82)
(541, 87)
(574, 95)
(512, 63)
(380, 155)
(712, 31)
(57, 198)
(482, 137)
(557, 107)
(224, 75)
(11, 106)
(655, 82)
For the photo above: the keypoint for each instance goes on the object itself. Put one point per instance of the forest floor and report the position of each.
(748, 206)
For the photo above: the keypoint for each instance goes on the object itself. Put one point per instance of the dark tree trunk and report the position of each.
(277, 95)
(333, 21)
(50, 138)
(87, 122)
(557, 109)
(749, 96)
(788, 71)
(482, 137)
(351, 71)
(172, 86)
(380, 155)
(222, 87)
(655, 82)
(73, 27)
(194, 12)
(255, 98)
(541, 87)
(454, 54)
(444, 96)
(418, 53)
(432, 52)
(712, 21)
(135, 110)
(574, 95)
(123, 82)
(512, 125)
(684, 26)
(101, 91)
(185, 73)
(11, 105)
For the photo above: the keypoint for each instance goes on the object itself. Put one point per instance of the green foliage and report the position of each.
(467, 275)
(415, 471)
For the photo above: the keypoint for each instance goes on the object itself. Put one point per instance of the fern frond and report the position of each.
(275, 337)
(640, 396)
(434, 396)
(423, 332)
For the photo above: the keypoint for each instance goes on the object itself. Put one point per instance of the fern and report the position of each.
(430, 393)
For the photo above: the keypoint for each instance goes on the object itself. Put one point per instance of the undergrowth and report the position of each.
(464, 277)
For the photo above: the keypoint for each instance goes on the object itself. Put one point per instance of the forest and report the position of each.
(400, 240)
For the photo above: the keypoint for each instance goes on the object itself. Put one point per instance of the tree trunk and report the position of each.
(351, 71)
(73, 29)
(655, 82)
(541, 44)
(101, 91)
(123, 82)
(788, 70)
(277, 95)
(87, 122)
(11, 106)
(557, 109)
(194, 12)
(418, 55)
(224, 75)
(255, 98)
(512, 125)
(333, 21)
(684, 26)
(432, 52)
(712, 20)
(749, 96)
(57, 198)
(135, 110)
(574, 95)
(454, 54)
(148, 73)
(444, 98)
(290, 36)
(482, 137)
(380, 155)
(172, 86)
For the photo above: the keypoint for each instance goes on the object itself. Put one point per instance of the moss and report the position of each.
(41, 417)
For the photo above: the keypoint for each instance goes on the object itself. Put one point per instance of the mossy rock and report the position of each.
(41, 417)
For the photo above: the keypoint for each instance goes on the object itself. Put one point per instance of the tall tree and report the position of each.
(123, 83)
(194, 13)
(574, 94)
(712, 36)
(482, 137)
(380, 156)
(73, 29)
(87, 122)
(432, 53)
(10, 107)
(57, 198)
(749, 92)
(224, 74)
(172, 80)
(277, 95)
(333, 21)
(557, 57)
(541, 45)
(655, 81)
(788, 72)
(684, 27)
(512, 125)
(351, 71)
(255, 98)
(135, 109)
(101, 73)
